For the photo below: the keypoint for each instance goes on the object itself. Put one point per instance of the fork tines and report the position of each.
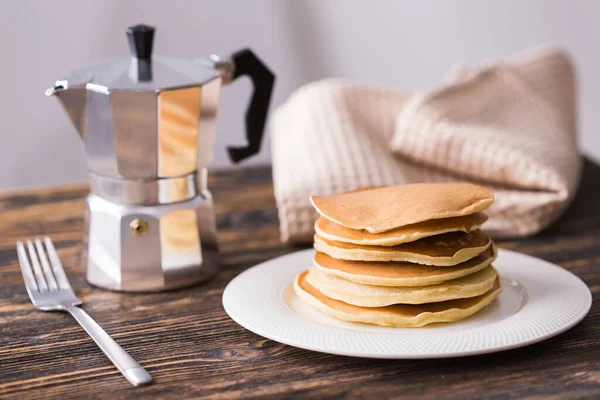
(45, 275)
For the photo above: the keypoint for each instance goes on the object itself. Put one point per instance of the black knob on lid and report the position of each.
(141, 39)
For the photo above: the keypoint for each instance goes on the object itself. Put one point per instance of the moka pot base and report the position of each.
(151, 246)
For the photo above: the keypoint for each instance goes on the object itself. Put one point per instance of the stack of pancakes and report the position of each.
(403, 256)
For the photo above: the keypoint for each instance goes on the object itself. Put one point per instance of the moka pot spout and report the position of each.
(74, 102)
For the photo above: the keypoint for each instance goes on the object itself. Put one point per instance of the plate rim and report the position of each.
(393, 355)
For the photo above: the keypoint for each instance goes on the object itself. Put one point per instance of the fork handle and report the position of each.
(134, 372)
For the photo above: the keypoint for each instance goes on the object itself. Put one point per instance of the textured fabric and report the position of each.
(508, 126)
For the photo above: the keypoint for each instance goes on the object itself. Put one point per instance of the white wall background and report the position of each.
(405, 44)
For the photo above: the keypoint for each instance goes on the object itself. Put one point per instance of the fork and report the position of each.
(49, 290)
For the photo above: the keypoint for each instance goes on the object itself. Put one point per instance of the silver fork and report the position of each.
(49, 290)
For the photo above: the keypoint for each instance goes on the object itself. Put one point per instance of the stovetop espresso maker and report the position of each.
(148, 126)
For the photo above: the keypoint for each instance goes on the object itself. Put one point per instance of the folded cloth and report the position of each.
(508, 126)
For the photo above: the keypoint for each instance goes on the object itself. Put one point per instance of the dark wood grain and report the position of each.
(192, 349)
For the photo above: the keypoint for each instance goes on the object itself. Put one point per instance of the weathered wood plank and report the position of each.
(193, 349)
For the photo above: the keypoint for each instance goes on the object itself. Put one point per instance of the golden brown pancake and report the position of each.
(398, 315)
(332, 231)
(385, 208)
(443, 250)
(401, 273)
(363, 295)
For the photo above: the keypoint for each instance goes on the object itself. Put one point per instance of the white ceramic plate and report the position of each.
(539, 300)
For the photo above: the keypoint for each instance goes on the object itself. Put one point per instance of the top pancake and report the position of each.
(384, 208)
(405, 234)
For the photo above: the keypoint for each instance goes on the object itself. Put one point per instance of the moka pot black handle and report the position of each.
(246, 63)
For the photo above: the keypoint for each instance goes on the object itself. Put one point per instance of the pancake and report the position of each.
(385, 208)
(330, 230)
(442, 250)
(400, 273)
(363, 295)
(398, 315)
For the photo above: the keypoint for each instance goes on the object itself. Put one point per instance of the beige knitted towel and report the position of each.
(511, 127)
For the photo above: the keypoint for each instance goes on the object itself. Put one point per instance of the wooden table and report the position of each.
(192, 349)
